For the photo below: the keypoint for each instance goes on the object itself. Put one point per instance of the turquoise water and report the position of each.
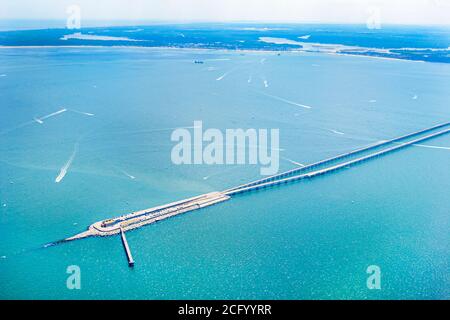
(310, 240)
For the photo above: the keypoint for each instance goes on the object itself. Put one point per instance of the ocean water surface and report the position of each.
(100, 119)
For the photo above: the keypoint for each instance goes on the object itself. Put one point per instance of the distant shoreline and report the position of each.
(409, 44)
(254, 51)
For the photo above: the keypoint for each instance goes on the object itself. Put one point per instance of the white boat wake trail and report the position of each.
(38, 120)
(65, 168)
(223, 76)
(335, 131)
(83, 113)
(226, 74)
(51, 115)
(286, 101)
(128, 175)
(219, 173)
(41, 119)
(432, 147)
(294, 162)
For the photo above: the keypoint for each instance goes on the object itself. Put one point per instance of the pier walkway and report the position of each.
(127, 248)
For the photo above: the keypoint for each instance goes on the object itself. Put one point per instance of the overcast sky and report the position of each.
(306, 11)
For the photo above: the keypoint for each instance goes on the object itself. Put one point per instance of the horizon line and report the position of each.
(150, 22)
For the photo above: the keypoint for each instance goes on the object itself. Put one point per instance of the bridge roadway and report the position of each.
(338, 157)
(332, 168)
(137, 219)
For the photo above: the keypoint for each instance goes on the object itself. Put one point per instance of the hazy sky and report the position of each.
(350, 11)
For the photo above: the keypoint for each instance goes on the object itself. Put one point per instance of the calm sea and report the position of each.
(309, 240)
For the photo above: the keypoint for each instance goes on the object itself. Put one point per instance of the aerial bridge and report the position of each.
(119, 225)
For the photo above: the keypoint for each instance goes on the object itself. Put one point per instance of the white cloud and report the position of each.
(340, 11)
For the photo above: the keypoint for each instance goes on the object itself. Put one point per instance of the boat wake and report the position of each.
(294, 162)
(285, 100)
(431, 147)
(51, 115)
(83, 113)
(223, 76)
(337, 132)
(128, 175)
(65, 168)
